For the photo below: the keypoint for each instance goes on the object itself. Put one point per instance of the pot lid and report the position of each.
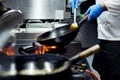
(8, 21)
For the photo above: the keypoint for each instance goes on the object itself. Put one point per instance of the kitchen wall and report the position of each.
(39, 9)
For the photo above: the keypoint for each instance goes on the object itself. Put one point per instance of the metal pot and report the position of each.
(49, 66)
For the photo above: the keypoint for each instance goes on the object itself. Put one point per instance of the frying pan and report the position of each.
(60, 36)
(49, 66)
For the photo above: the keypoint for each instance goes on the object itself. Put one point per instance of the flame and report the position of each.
(44, 49)
(8, 51)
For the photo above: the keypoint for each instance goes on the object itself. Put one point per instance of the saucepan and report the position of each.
(49, 66)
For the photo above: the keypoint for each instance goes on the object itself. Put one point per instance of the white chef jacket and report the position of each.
(109, 21)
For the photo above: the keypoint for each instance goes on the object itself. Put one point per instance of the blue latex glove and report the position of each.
(74, 4)
(94, 11)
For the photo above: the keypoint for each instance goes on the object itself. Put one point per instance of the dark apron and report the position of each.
(107, 61)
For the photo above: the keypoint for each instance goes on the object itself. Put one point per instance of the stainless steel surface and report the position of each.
(45, 25)
(9, 21)
(39, 9)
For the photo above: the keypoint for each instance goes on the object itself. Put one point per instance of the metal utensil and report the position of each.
(74, 25)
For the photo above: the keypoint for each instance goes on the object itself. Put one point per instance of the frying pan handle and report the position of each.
(92, 50)
(84, 19)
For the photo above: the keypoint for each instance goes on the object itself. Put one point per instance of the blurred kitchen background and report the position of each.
(42, 15)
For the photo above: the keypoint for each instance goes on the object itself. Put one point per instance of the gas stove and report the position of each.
(79, 72)
(36, 48)
(78, 69)
(26, 45)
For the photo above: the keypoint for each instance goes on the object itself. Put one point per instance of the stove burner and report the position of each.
(9, 51)
(27, 49)
(38, 49)
(59, 50)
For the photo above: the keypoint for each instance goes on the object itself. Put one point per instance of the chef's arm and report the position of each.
(95, 11)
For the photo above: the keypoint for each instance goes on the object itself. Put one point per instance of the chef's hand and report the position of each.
(94, 11)
(74, 4)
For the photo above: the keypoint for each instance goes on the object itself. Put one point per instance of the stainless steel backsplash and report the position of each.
(38, 9)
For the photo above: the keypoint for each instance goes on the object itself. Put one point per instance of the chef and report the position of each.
(107, 12)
